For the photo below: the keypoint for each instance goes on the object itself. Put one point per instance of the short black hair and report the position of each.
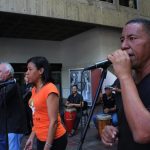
(144, 22)
(75, 86)
(42, 62)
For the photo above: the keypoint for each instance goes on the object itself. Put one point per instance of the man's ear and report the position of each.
(7, 73)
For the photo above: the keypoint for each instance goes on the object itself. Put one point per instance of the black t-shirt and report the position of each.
(75, 99)
(118, 99)
(126, 141)
(109, 102)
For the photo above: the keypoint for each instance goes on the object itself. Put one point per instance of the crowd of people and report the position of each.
(33, 109)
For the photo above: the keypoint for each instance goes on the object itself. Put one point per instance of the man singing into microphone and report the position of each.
(133, 132)
(12, 115)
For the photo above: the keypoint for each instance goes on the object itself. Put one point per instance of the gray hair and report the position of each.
(8, 68)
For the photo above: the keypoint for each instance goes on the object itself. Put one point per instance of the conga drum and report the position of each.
(69, 118)
(103, 120)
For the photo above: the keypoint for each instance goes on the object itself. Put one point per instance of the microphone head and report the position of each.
(102, 64)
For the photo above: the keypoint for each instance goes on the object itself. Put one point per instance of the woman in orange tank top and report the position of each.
(44, 102)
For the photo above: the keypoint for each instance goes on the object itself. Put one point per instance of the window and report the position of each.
(128, 3)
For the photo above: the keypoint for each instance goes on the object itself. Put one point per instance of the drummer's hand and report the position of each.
(106, 110)
(109, 135)
(101, 95)
(67, 104)
(73, 105)
(115, 89)
(70, 105)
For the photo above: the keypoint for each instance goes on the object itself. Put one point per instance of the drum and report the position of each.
(103, 120)
(69, 118)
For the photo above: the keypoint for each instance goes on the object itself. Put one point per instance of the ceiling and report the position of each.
(14, 25)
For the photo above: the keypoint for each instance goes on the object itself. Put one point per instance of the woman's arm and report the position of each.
(53, 109)
(29, 143)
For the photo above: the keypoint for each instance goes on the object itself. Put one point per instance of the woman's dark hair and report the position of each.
(42, 62)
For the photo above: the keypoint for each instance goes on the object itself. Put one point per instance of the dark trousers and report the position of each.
(58, 144)
(29, 120)
(77, 120)
(2, 142)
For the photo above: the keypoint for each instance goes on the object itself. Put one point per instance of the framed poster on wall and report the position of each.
(75, 79)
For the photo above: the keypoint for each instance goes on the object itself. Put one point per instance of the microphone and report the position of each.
(5, 83)
(102, 64)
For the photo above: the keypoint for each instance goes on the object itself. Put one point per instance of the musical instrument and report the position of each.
(103, 120)
(69, 118)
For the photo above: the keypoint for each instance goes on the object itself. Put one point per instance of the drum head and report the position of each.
(70, 109)
(103, 117)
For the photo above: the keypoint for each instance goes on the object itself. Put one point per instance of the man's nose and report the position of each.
(27, 73)
(125, 45)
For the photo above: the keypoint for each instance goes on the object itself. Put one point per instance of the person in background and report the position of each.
(47, 126)
(26, 92)
(131, 64)
(117, 90)
(109, 106)
(75, 100)
(12, 113)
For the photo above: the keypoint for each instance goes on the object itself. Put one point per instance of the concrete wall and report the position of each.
(87, 49)
(91, 11)
(77, 52)
(19, 50)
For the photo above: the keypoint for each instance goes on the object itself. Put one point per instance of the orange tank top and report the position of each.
(41, 120)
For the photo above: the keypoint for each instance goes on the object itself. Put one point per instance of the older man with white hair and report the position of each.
(12, 114)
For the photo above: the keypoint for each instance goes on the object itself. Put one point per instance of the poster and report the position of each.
(84, 85)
